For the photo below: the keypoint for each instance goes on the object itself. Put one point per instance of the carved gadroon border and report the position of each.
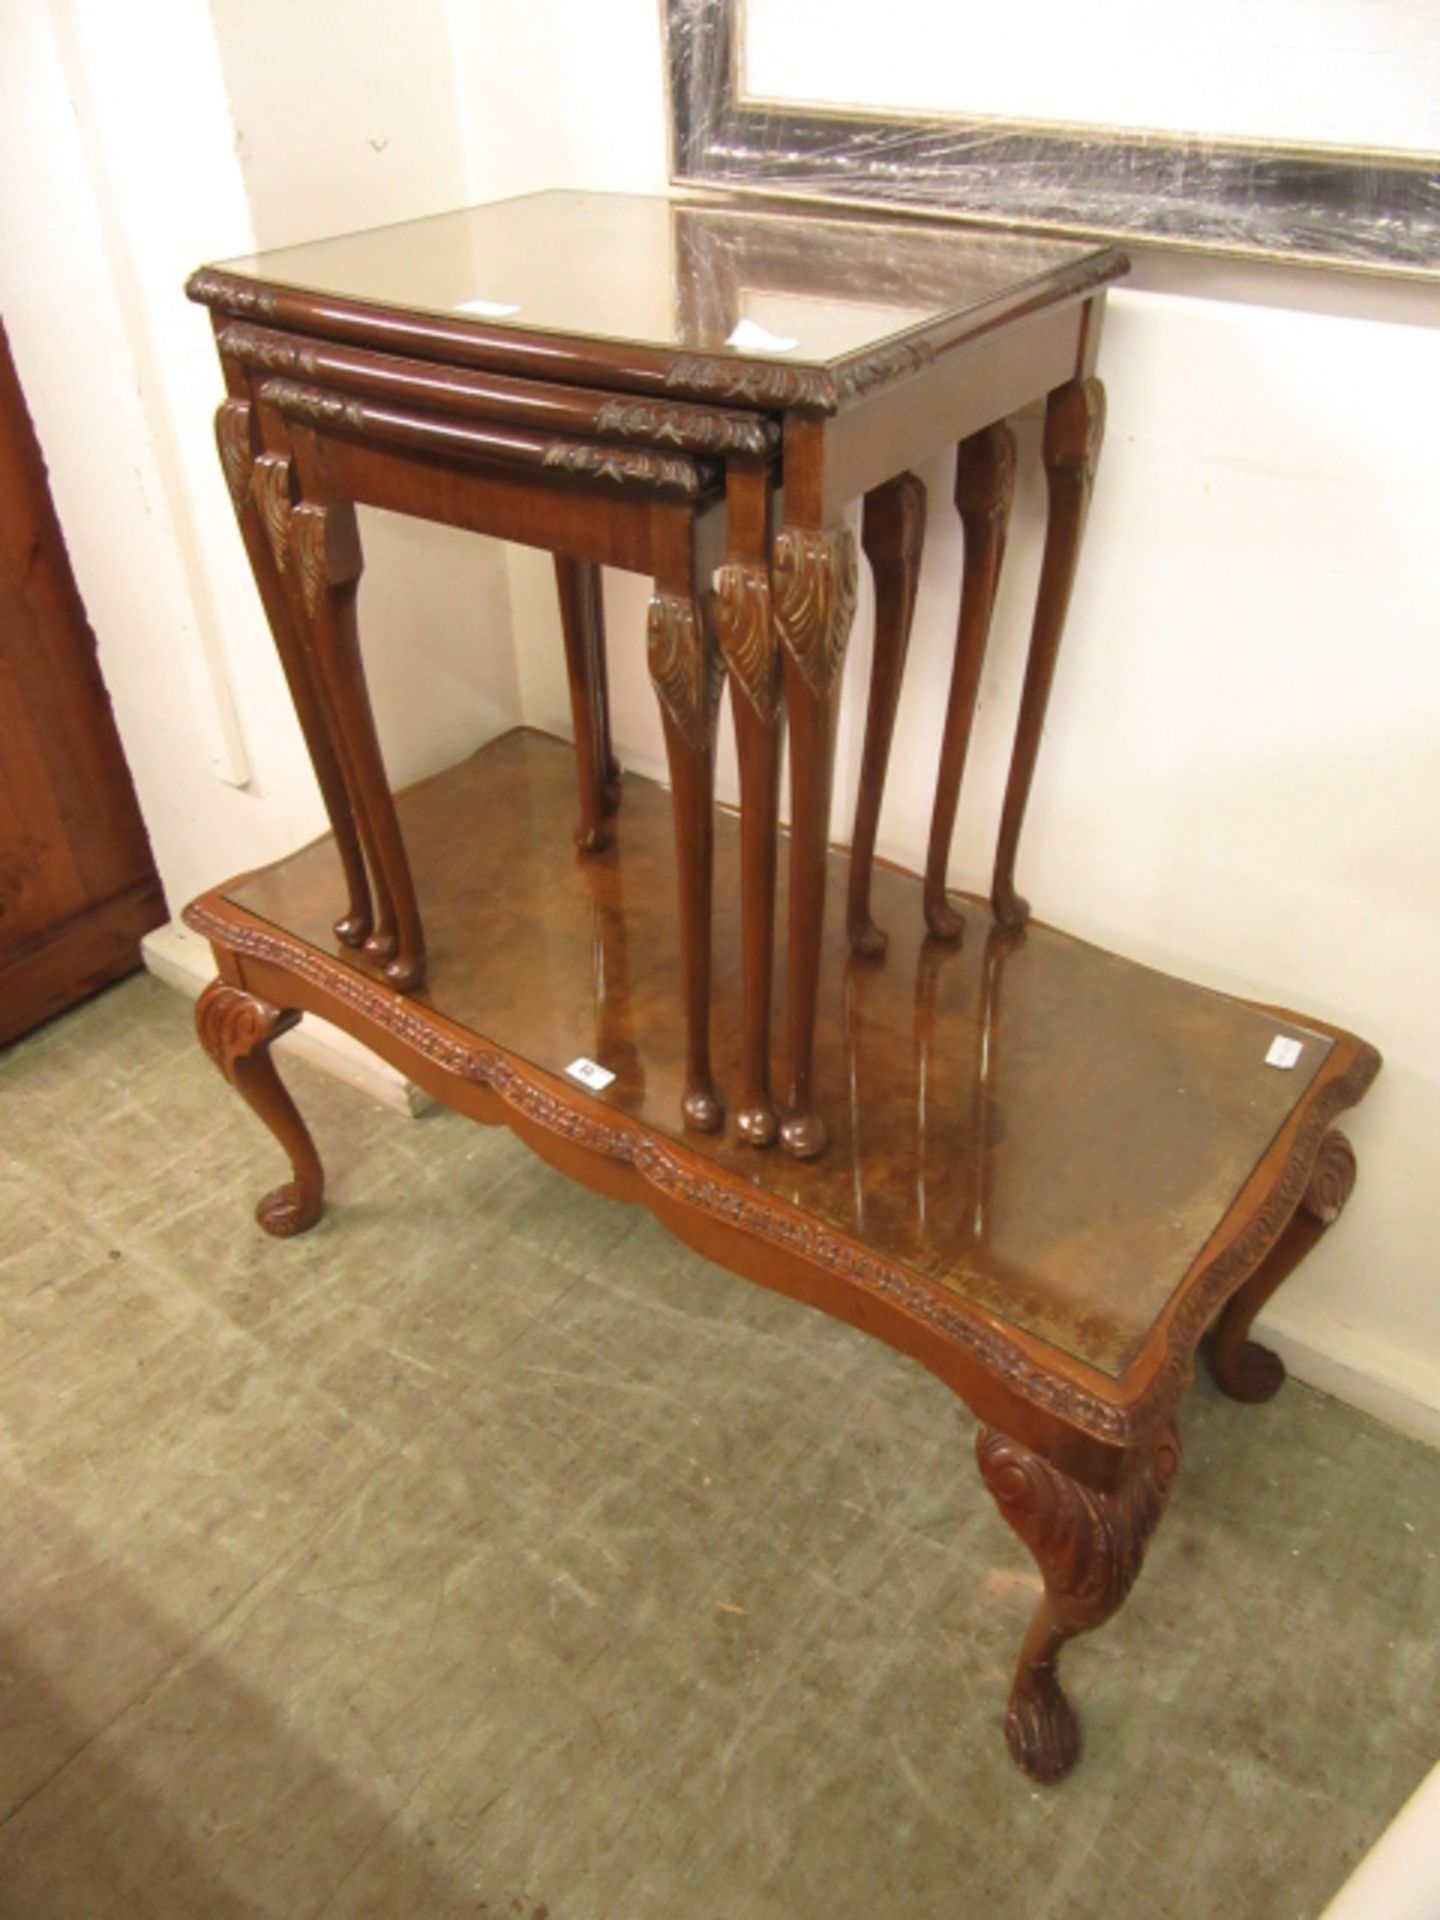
(683, 426)
(313, 403)
(760, 386)
(812, 387)
(625, 466)
(265, 350)
(229, 293)
(769, 1221)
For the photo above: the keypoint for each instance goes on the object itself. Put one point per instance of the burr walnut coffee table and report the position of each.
(1043, 1171)
(1053, 1173)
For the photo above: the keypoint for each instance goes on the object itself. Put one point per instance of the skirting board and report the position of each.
(1344, 1361)
(1352, 1365)
(183, 961)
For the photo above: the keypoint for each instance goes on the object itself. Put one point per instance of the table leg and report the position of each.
(893, 536)
(236, 1030)
(326, 545)
(747, 641)
(233, 433)
(814, 604)
(984, 489)
(1089, 1545)
(1074, 428)
(578, 582)
(1240, 1366)
(600, 679)
(686, 668)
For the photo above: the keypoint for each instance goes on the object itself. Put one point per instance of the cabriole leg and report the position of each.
(584, 659)
(261, 492)
(236, 1030)
(1074, 428)
(814, 603)
(747, 642)
(686, 669)
(326, 543)
(1089, 1546)
(893, 536)
(984, 489)
(1240, 1366)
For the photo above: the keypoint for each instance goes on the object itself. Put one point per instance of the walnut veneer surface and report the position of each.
(1052, 1131)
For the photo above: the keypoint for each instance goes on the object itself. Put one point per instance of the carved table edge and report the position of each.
(1111, 1411)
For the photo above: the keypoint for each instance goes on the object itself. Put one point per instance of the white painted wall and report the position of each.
(1242, 766)
(137, 143)
(1240, 773)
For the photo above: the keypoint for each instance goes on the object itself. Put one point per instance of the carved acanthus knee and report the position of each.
(1089, 1544)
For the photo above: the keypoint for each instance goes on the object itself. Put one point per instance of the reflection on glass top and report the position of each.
(1047, 1131)
(671, 274)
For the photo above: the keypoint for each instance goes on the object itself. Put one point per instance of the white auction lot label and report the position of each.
(590, 1074)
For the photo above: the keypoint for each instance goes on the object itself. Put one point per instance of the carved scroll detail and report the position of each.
(683, 426)
(625, 466)
(232, 436)
(1089, 1546)
(813, 582)
(232, 295)
(232, 1024)
(747, 636)
(265, 350)
(270, 482)
(1332, 1179)
(684, 665)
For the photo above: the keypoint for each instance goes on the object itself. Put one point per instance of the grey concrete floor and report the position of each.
(486, 1553)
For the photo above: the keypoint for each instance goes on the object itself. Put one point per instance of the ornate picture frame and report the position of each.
(1324, 206)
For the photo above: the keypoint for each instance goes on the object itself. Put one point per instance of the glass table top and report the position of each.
(673, 274)
(1048, 1131)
